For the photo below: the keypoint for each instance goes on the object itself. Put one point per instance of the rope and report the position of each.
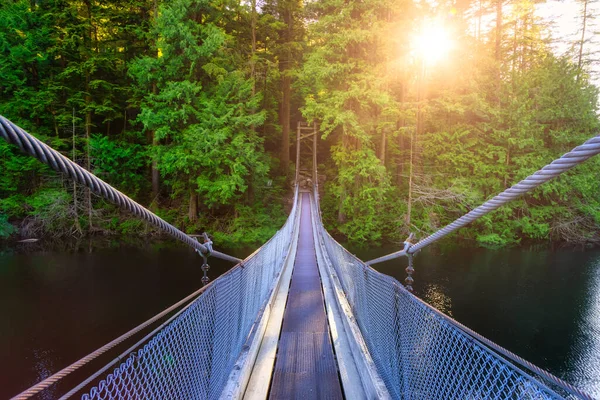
(124, 354)
(36, 148)
(507, 353)
(569, 160)
(519, 361)
(90, 357)
(85, 360)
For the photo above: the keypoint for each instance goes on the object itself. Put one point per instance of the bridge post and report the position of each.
(306, 131)
(298, 153)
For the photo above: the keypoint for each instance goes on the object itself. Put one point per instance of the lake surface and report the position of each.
(541, 303)
(60, 302)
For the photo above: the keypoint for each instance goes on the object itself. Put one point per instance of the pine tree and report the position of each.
(202, 111)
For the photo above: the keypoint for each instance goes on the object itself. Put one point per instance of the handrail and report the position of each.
(564, 163)
(27, 143)
(46, 383)
(51, 380)
(487, 344)
(567, 161)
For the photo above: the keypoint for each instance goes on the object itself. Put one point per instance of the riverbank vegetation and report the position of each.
(189, 106)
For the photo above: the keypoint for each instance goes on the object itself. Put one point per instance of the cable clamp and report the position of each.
(208, 244)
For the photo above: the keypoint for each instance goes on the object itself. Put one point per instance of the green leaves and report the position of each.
(485, 122)
(203, 112)
(362, 186)
(6, 229)
(120, 163)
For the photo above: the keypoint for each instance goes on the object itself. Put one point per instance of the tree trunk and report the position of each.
(284, 120)
(252, 61)
(88, 115)
(514, 58)
(193, 206)
(155, 174)
(498, 28)
(88, 163)
(401, 124)
(75, 203)
(341, 214)
(413, 141)
(154, 167)
(286, 89)
(410, 180)
(88, 128)
(383, 146)
(580, 58)
(507, 165)
(479, 22)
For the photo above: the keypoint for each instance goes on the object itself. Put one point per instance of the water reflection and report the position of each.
(586, 352)
(435, 295)
(62, 302)
(44, 367)
(59, 301)
(540, 302)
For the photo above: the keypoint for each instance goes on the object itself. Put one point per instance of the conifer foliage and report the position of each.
(189, 106)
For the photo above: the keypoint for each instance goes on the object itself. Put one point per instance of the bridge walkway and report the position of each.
(388, 343)
(305, 367)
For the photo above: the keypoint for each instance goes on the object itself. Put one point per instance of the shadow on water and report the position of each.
(540, 302)
(59, 301)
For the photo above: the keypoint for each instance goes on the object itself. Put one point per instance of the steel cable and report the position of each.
(569, 160)
(368, 274)
(190, 299)
(36, 148)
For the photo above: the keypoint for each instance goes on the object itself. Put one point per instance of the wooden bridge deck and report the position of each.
(305, 367)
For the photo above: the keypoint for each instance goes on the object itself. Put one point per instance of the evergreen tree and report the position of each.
(202, 111)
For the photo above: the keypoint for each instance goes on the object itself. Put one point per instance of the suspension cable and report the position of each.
(36, 148)
(569, 160)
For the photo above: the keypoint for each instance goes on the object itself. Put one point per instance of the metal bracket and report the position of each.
(205, 267)
(410, 269)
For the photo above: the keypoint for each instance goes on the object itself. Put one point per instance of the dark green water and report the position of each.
(541, 303)
(58, 303)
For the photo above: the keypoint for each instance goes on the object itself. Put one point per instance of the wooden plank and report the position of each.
(260, 378)
(358, 372)
(305, 367)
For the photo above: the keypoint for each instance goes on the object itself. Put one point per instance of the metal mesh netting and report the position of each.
(417, 351)
(193, 356)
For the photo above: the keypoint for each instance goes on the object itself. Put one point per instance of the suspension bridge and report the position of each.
(303, 318)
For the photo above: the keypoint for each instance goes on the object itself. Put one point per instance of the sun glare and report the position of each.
(433, 43)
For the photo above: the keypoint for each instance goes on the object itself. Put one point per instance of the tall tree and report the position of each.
(289, 13)
(346, 84)
(202, 112)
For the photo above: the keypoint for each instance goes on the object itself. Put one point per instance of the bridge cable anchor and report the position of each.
(410, 269)
(205, 267)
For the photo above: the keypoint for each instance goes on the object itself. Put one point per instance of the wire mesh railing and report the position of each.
(193, 356)
(419, 352)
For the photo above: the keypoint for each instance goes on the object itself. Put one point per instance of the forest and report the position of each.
(190, 108)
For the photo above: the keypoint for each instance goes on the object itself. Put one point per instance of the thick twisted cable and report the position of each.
(469, 332)
(569, 160)
(34, 147)
(575, 157)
